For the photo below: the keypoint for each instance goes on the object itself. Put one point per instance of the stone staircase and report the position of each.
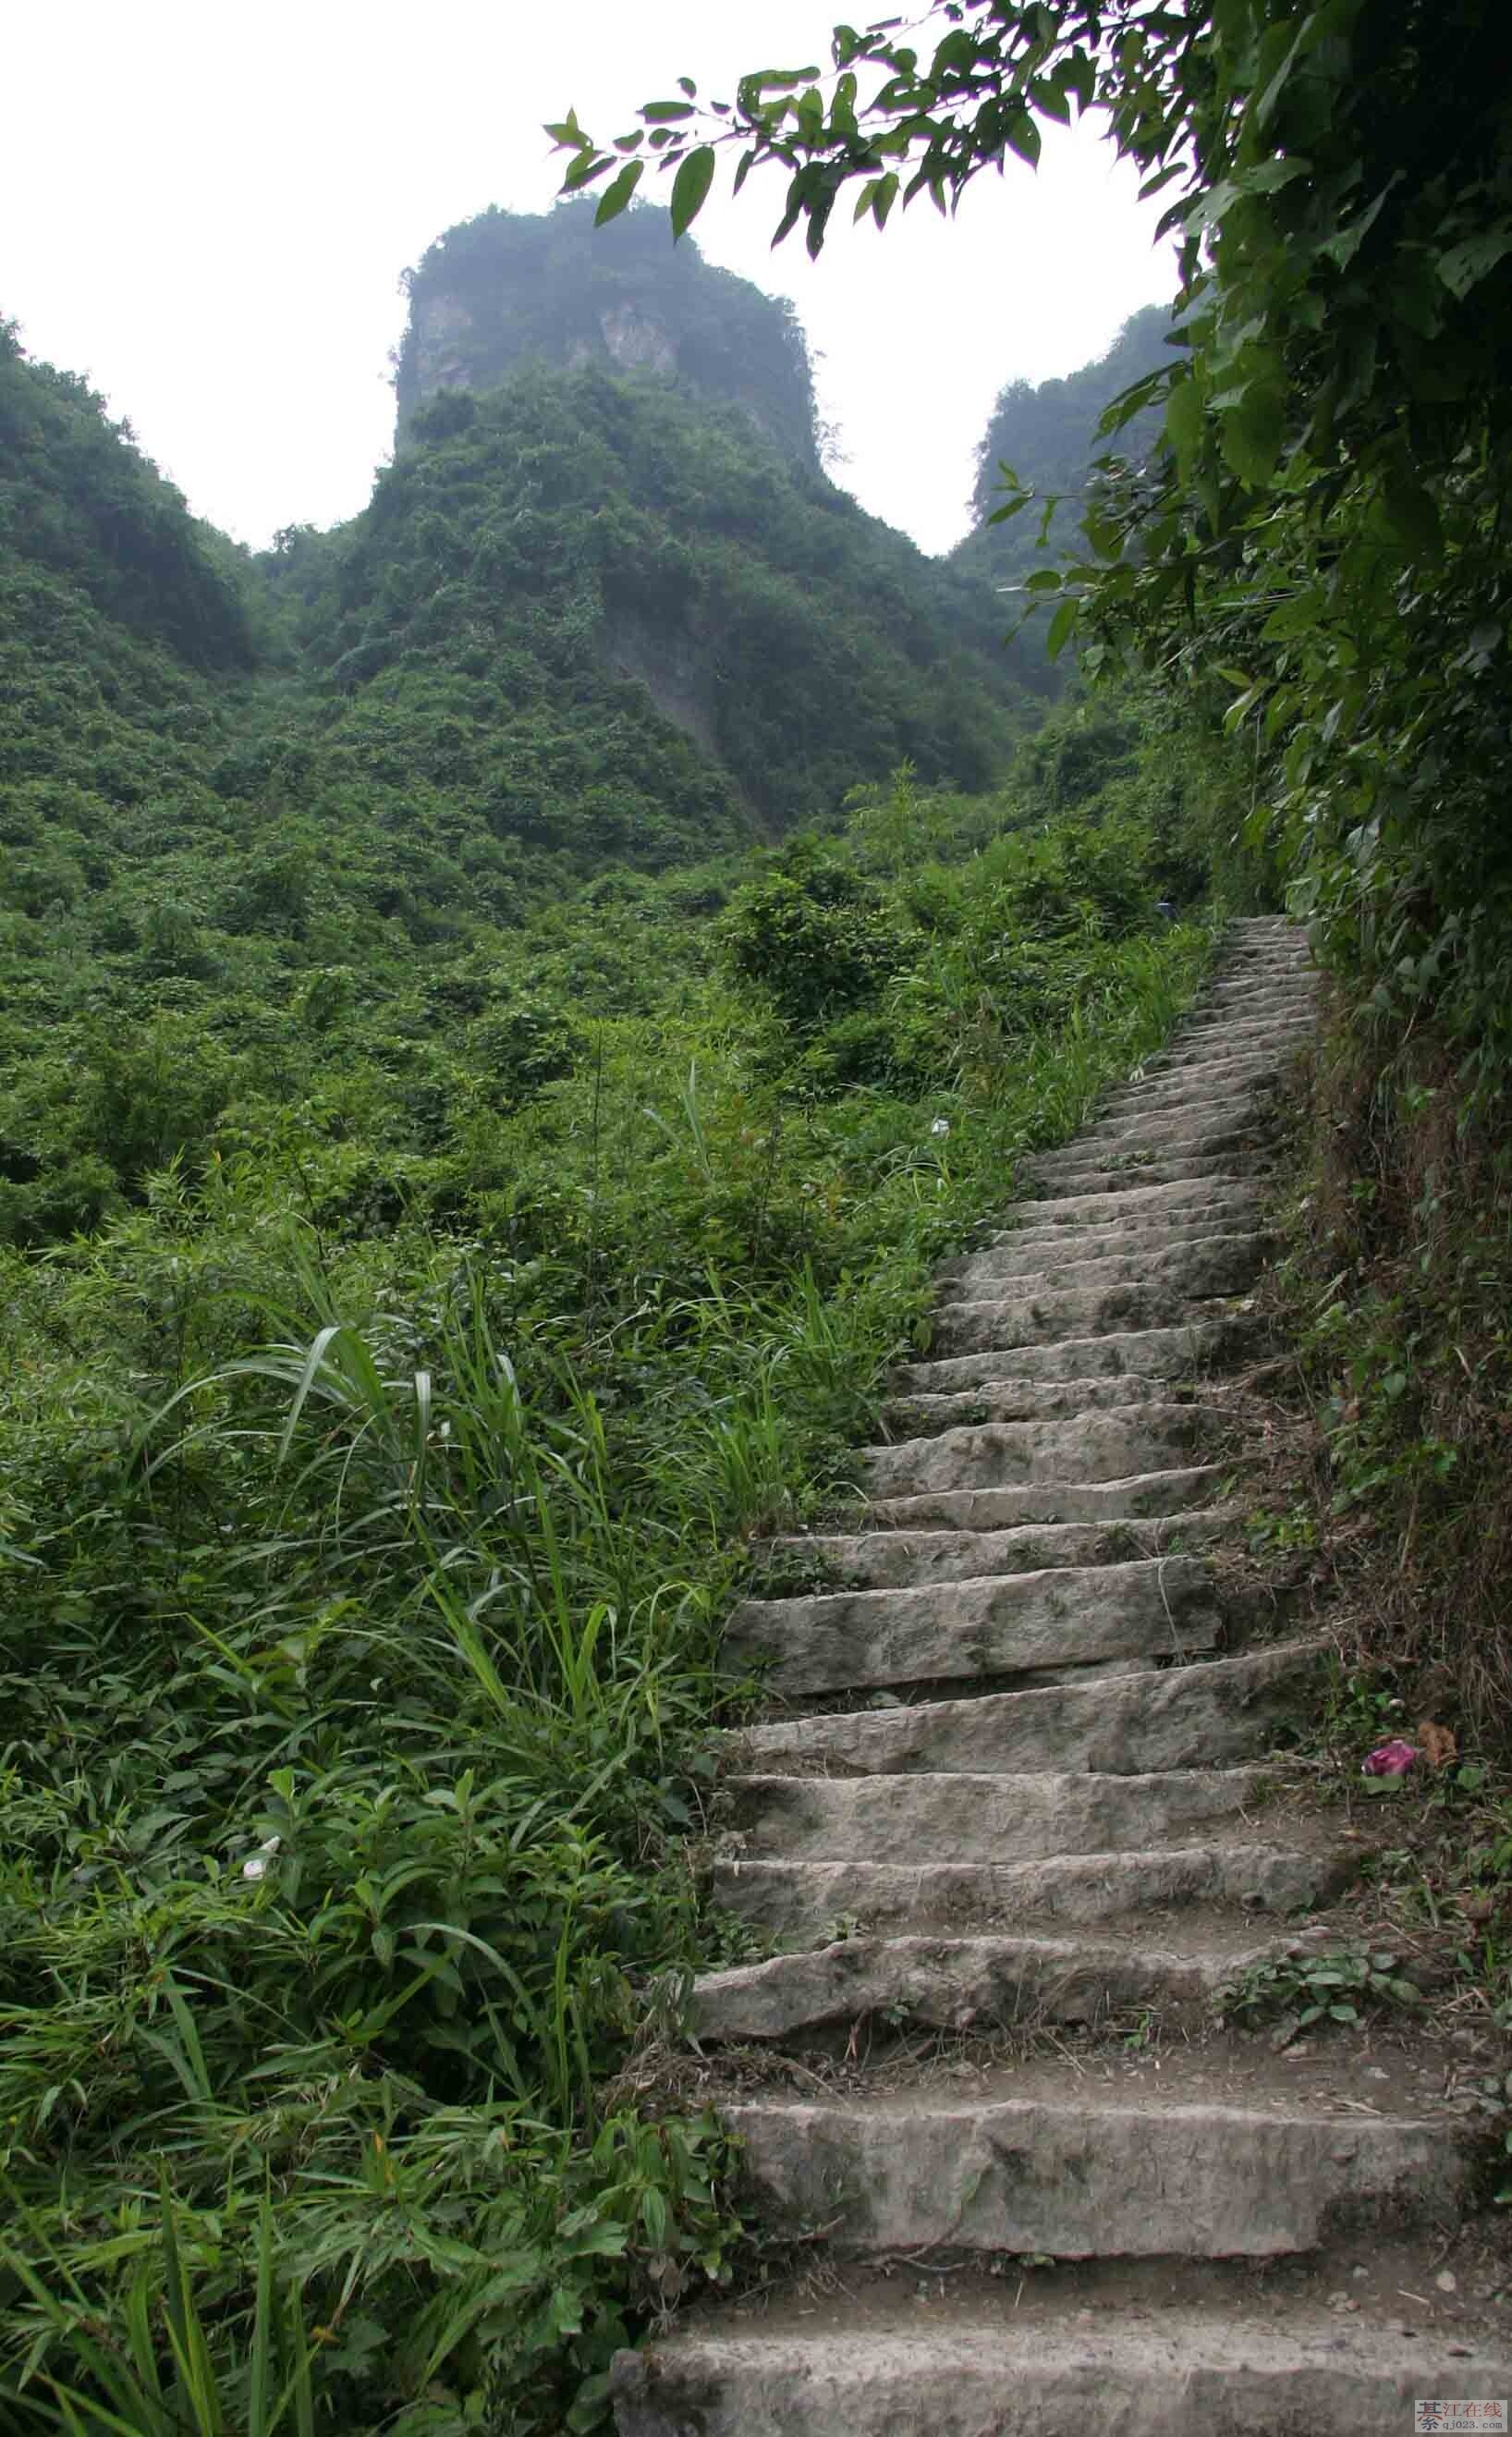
(1018, 1782)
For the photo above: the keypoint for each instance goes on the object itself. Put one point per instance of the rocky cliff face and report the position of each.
(507, 288)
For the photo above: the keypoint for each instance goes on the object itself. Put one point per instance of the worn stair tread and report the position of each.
(1063, 1315)
(1163, 2371)
(1133, 1197)
(1031, 1255)
(1083, 2176)
(1018, 1400)
(1103, 1445)
(1217, 1264)
(1141, 1495)
(795, 1899)
(991, 1624)
(984, 1983)
(960, 1816)
(1159, 1719)
(900, 1558)
(1173, 1351)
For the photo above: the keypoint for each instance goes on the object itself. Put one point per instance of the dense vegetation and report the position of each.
(265, 827)
(1321, 546)
(457, 1191)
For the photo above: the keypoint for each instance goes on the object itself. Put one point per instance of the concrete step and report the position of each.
(1143, 1494)
(904, 1560)
(794, 1901)
(1200, 1266)
(1163, 2371)
(1171, 1352)
(983, 1984)
(995, 1625)
(1082, 2177)
(1156, 1721)
(1099, 1446)
(958, 1817)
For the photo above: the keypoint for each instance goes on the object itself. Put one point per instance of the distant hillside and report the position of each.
(509, 290)
(1047, 432)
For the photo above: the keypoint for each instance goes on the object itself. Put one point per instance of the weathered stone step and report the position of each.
(1168, 2372)
(965, 1984)
(1061, 1314)
(805, 1899)
(997, 1625)
(1107, 1445)
(1218, 1124)
(1102, 1175)
(1283, 1036)
(901, 1560)
(1066, 1502)
(958, 1817)
(1038, 1253)
(1133, 1200)
(1241, 1139)
(1234, 1211)
(1226, 1075)
(1084, 2178)
(1017, 1400)
(1202, 1266)
(1137, 1353)
(1160, 1720)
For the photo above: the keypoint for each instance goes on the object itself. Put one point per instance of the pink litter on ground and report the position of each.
(1389, 1760)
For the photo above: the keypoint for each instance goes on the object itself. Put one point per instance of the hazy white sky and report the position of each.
(206, 208)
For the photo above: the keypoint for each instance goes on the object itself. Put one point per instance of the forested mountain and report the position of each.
(593, 618)
(1046, 432)
(510, 289)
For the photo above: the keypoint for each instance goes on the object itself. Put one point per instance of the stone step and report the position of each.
(1169, 1352)
(984, 1984)
(959, 1817)
(1084, 2177)
(902, 1560)
(997, 1625)
(1136, 1201)
(1218, 1123)
(1225, 1148)
(793, 1901)
(1037, 1252)
(1099, 1446)
(1201, 1266)
(1017, 1400)
(1169, 2370)
(1061, 1314)
(1236, 1212)
(1143, 1494)
(1079, 1179)
(1283, 1037)
(1157, 1721)
(1226, 1075)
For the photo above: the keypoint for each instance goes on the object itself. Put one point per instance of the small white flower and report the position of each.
(939, 1128)
(257, 1867)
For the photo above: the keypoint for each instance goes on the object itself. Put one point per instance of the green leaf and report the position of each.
(618, 193)
(1184, 419)
(1250, 434)
(691, 187)
(1463, 266)
(663, 113)
(1062, 626)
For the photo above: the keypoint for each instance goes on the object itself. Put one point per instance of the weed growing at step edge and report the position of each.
(359, 1666)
